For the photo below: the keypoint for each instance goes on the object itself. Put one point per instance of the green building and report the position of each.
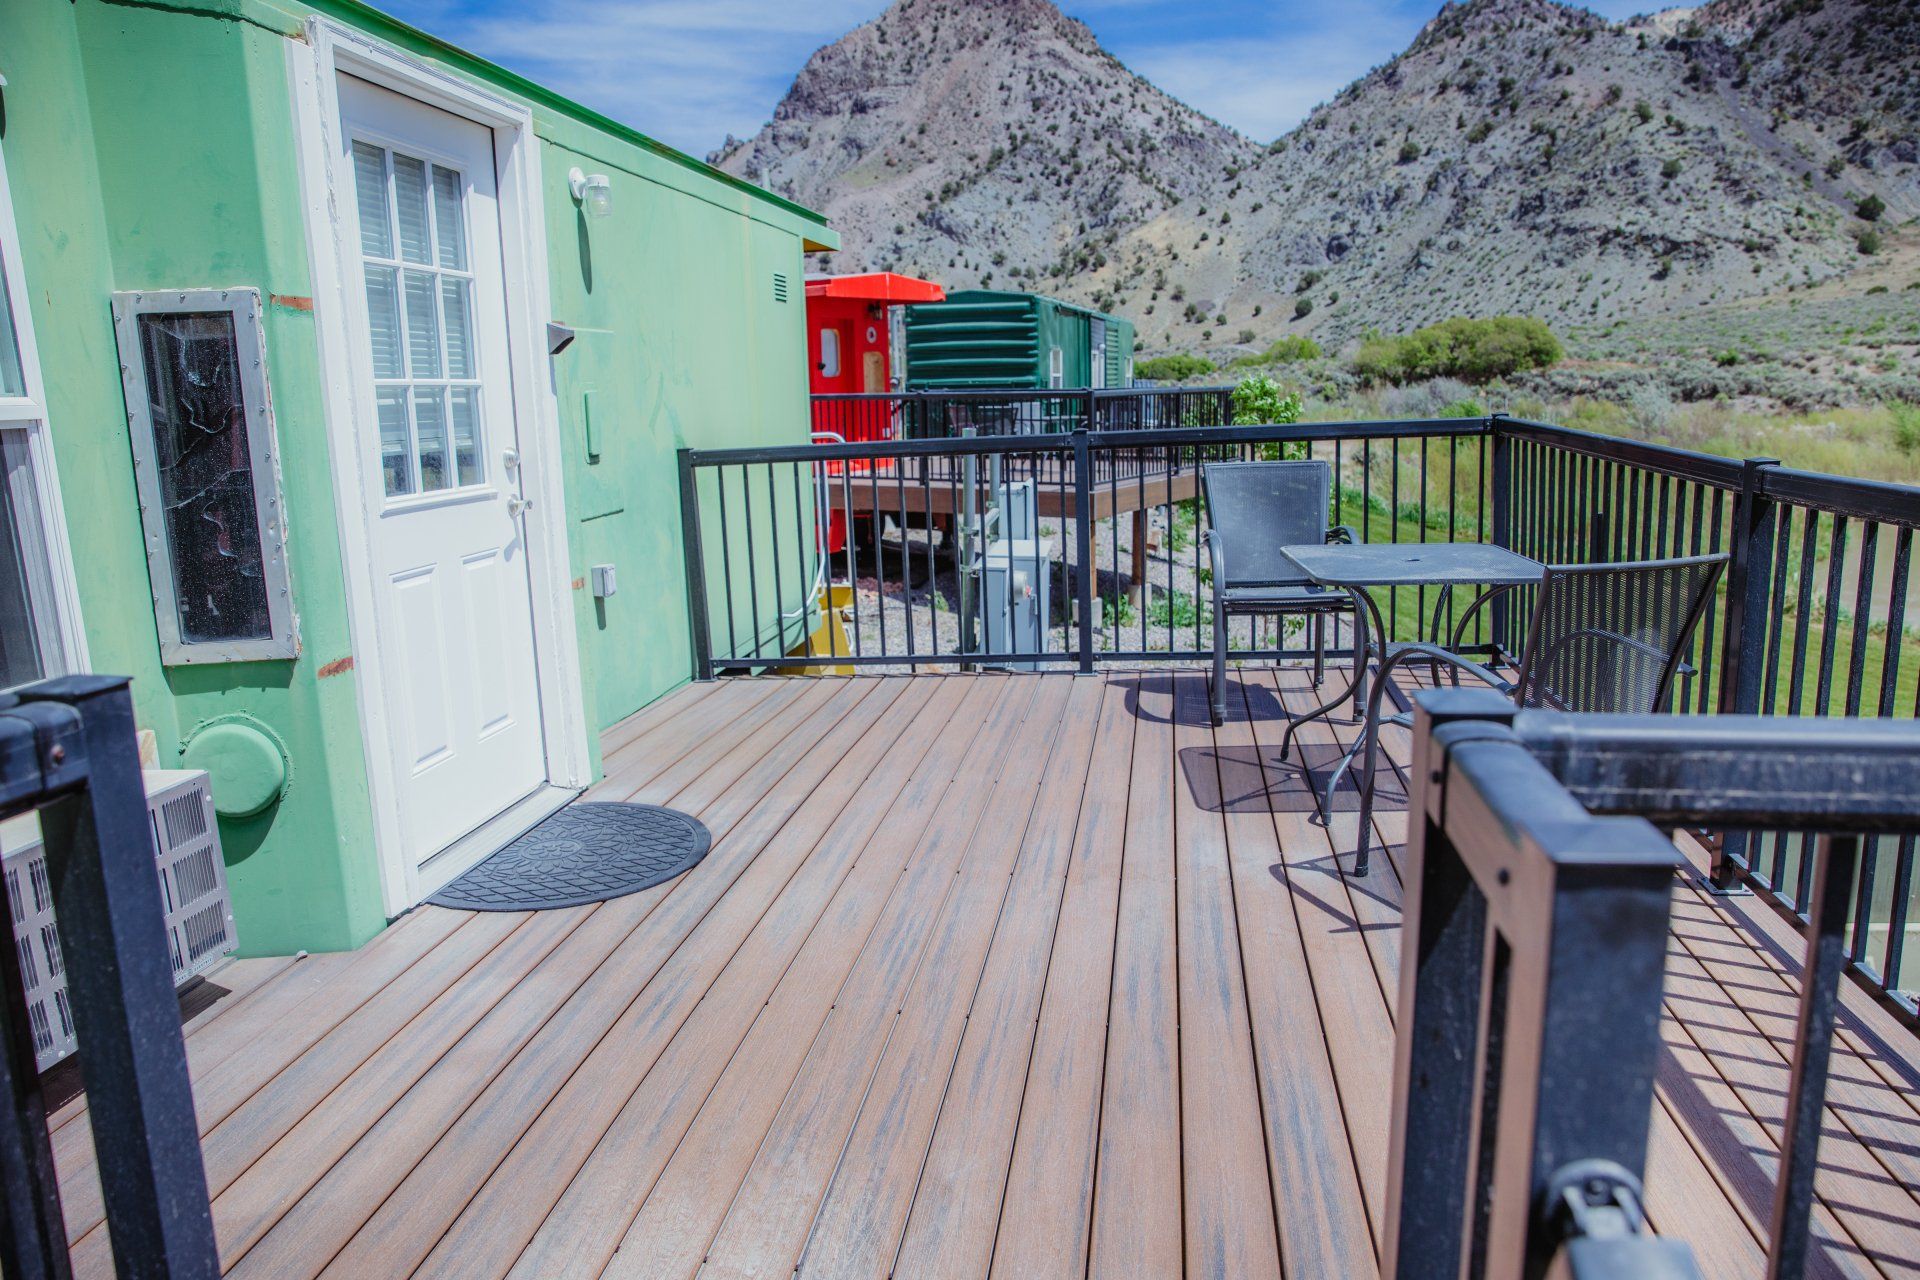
(341, 375)
(988, 338)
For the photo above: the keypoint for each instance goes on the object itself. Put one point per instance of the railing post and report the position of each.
(1500, 480)
(696, 569)
(1083, 540)
(1743, 639)
(100, 858)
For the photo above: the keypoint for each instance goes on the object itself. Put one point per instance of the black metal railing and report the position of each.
(945, 415)
(1817, 613)
(68, 751)
(1537, 900)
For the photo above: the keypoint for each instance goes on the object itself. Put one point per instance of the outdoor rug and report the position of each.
(583, 853)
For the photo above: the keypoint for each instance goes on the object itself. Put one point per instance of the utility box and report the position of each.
(193, 894)
(1015, 597)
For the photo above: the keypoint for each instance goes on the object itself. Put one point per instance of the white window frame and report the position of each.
(1056, 367)
(263, 454)
(64, 637)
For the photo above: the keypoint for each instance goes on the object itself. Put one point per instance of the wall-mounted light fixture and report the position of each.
(592, 191)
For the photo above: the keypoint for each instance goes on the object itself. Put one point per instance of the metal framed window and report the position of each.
(1056, 367)
(208, 473)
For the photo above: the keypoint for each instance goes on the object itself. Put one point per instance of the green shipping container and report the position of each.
(987, 338)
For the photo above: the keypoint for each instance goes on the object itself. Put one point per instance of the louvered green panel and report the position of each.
(985, 338)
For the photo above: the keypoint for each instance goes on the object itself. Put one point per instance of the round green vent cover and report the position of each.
(248, 770)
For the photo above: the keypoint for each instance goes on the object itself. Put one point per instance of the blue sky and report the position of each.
(689, 72)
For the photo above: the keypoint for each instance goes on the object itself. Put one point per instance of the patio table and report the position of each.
(1357, 568)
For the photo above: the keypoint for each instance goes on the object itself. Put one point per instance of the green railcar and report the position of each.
(988, 338)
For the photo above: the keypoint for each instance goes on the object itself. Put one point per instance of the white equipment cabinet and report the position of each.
(193, 893)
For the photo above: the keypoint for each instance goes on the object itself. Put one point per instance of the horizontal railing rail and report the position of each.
(1529, 1023)
(944, 414)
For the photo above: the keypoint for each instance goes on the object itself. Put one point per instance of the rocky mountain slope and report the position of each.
(1520, 155)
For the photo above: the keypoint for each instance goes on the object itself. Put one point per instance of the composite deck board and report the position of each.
(727, 1065)
(1017, 975)
(857, 1228)
(1322, 1216)
(585, 1001)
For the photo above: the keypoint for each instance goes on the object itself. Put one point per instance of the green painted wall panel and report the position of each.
(151, 146)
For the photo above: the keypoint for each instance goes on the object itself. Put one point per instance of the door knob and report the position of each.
(510, 456)
(516, 507)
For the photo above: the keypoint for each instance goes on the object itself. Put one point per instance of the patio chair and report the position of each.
(1254, 509)
(1607, 638)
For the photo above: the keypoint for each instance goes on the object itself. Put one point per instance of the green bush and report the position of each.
(1906, 426)
(1259, 401)
(1303, 307)
(1468, 408)
(1671, 169)
(1473, 350)
(1409, 151)
(1871, 208)
(1174, 368)
(1869, 242)
(1291, 349)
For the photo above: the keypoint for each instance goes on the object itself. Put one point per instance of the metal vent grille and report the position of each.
(779, 286)
(193, 892)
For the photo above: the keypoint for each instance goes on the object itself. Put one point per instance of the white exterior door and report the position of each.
(452, 594)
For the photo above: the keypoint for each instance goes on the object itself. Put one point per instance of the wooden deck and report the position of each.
(1020, 976)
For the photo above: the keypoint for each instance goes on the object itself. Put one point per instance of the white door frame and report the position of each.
(314, 68)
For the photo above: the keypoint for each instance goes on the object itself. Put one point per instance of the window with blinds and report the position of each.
(419, 284)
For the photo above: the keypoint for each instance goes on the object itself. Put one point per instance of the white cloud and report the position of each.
(1263, 82)
(687, 72)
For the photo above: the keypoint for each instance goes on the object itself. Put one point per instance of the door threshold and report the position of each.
(490, 837)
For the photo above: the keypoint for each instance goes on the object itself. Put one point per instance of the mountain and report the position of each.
(977, 142)
(1519, 155)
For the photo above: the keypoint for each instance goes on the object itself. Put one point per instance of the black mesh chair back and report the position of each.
(1612, 637)
(1260, 507)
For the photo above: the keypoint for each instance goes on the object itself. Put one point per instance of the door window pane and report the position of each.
(383, 322)
(204, 470)
(423, 327)
(370, 179)
(420, 322)
(448, 223)
(410, 204)
(466, 433)
(829, 353)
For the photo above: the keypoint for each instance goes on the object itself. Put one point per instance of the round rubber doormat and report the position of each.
(583, 853)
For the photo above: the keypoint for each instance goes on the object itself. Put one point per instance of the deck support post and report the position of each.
(1743, 641)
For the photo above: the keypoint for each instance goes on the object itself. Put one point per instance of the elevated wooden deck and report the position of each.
(1021, 976)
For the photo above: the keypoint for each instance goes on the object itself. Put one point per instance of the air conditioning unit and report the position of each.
(193, 893)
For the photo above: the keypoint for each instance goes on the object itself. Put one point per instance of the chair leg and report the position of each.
(1319, 648)
(1219, 707)
(1359, 665)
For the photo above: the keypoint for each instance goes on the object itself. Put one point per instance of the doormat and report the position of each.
(583, 853)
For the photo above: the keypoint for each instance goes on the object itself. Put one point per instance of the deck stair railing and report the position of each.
(1537, 899)
(68, 752)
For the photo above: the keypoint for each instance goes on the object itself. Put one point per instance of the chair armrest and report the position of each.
(1343, 533)
(1414, 651)
(1216, 561)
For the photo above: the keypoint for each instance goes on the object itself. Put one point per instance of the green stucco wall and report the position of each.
(150, 145)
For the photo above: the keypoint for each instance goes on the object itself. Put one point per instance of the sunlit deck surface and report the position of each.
(1027, 976)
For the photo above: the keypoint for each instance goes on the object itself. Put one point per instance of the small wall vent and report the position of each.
(779, 286)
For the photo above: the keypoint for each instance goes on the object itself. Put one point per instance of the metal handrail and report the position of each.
(68, 751)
